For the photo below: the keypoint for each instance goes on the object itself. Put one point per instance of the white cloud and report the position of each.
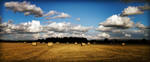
(117, 31)
(36, 36)
(8, 30)
(25, 7)
(132, 31)
(34, 26)
(62, 15)
(31, 9)
(7, 27)
(50, 13)
(104, 35)
(58, 27)
(102, 28)
(127, 35)
(137, 31)
(118, 22)
(80, 28)
(66, 27)
(61, 35)
(139, 25)
(131, 10)
(90, 37)
(57, 15)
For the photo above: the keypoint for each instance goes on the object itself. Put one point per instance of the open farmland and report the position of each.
(25, 52)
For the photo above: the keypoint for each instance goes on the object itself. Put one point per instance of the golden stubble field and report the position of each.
(25, 52)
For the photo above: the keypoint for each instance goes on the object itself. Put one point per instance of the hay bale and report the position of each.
(57, 43)
(34, 43)
(88, 43)
(83, 44)
(50, 44)
(123, 44)
(75, 43)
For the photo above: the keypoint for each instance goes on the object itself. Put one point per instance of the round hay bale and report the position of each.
(50, 44)
(123, 44)
(57, 43)
(34, 44)
(24, 42)
(88, 43)
(83, 44)
(75, 43)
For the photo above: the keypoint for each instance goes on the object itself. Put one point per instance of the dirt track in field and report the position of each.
(25, 52)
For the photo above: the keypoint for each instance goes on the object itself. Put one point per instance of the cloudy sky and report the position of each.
(26, 20)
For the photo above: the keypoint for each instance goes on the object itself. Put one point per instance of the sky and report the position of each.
(82, 17)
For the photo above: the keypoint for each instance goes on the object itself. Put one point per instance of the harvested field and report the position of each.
(25, 52)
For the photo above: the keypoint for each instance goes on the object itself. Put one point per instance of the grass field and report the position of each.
(25, 52)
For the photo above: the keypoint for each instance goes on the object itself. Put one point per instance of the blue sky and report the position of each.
(90, 13)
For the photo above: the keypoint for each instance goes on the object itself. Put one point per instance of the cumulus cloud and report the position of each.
(57, 15)
(63, 15)
(66, 30)
(131, 31)
(36, 36)
(55, 34)
(127, 35)
(131, 10)
(136, 31)
(58, 27)
(66, 27)
(102, 28)
(50, 13)
(93, 37)
(117, 31)
(118, 22)
(34, 26)
(53, 29)
(104, 35)
(24, 7)
(31, 9)
(61, 35)
(140, 26)
(80, 28)
(7, 27)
